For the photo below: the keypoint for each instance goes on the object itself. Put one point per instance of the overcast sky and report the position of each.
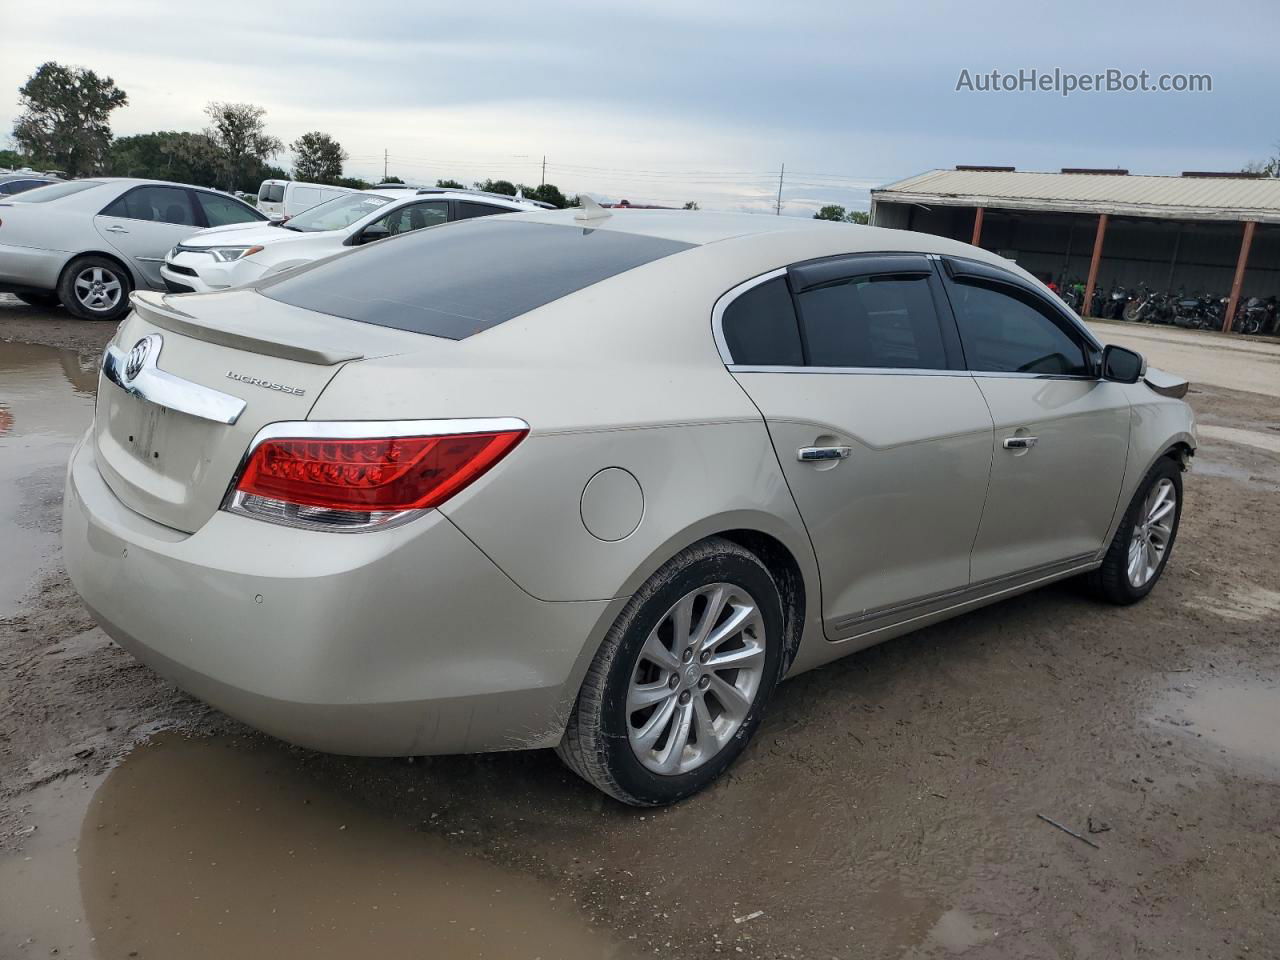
(668, 101)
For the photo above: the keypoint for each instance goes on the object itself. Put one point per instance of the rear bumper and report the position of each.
(401, 642)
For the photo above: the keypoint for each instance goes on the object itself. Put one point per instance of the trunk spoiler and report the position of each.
(289, 341)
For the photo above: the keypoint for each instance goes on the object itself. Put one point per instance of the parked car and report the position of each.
(288, 198)
(219, 259)
(89, 243)
(21, 181)
(599, 482)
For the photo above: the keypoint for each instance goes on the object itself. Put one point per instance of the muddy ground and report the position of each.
(887, 808)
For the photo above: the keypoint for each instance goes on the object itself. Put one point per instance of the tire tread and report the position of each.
(582, 748)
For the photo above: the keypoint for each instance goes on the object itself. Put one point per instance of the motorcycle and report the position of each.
(1193, 313)
(1255, 316)
(1149, 306)
(1113, 306)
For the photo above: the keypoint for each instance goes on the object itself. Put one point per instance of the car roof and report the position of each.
(806, 235)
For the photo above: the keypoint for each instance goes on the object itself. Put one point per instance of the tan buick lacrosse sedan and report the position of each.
(600, 482)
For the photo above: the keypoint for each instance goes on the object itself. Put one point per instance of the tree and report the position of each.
(546, 193)
(65, 119)
(240, 133)
(692, 205)
(391, 180)
(317, 158)
(355, 183)
(833, 211)
(12, 160)
(1269, 167)
(167, 155)
(496, 186)
(446, 184)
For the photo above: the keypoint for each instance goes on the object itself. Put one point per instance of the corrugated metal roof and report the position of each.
(1186, 198)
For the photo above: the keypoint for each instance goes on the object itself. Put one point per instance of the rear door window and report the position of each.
(458, 282)
(878, 321)
(156, 204)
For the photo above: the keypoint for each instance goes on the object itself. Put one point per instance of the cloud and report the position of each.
(671, 101)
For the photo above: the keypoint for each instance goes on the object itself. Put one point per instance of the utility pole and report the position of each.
(384, 164)
(543, 182)
(777, 210)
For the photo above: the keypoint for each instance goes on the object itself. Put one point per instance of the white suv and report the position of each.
(233, 256)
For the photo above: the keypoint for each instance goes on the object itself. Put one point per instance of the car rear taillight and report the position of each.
(354, 483)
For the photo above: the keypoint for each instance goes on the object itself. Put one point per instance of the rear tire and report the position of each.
(45, 300)
(1143, 544)
(660, 655)
(95, 288)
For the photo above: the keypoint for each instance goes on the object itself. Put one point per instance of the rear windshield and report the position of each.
(457, 280)
(271, 192)
(55, 191)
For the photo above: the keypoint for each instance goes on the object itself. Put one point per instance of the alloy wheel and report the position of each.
(1152, 533)
(696, 678)
(98, 289)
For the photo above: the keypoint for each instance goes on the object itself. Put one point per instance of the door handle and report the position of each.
(1020, 443)
(115, 229)
(812, 454)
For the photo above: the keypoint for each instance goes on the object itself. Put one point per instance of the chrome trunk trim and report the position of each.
(154, 385)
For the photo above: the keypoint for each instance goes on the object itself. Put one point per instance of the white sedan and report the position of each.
(599, 481)
(228, 257)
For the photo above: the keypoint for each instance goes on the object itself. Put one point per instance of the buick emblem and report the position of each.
(137, 358)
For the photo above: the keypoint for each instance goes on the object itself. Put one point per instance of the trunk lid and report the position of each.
(174, 466)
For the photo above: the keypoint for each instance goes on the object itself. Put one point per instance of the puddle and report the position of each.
(954, 933)
(1237, 721)
(1258, 476)
(1249, 438)
(214, 849)
(1244, 603)
(46, 403)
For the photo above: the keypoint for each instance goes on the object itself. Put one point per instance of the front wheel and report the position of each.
(681, 681)
(95, 288)
(1142, 546)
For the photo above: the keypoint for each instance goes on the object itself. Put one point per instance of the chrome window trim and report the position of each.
(722, 304)
(163, 389)
(729, 296)
(850, 371)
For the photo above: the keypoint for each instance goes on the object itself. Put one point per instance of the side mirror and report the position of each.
(374, 231)
(1121, 365)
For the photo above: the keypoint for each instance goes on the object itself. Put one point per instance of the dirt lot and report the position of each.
(888, 807)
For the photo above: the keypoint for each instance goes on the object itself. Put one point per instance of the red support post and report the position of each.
(1093, 264)
(1238, 281)
(977, 225)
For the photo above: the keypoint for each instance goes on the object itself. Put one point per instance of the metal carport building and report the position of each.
(1195, 232)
